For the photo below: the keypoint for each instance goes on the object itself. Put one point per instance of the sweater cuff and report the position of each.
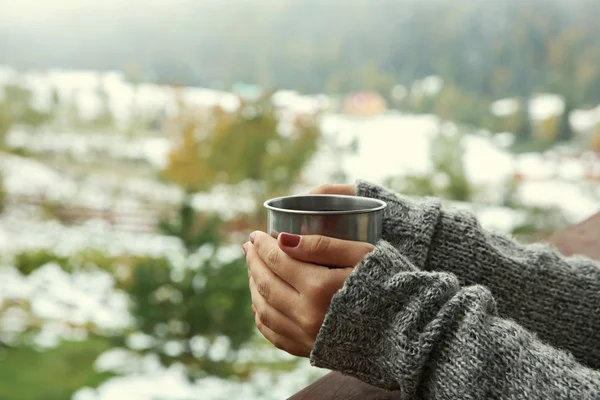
(353, 337)
(408, 224)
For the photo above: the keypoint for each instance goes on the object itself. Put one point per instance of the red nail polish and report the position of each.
(252, 236)
(245, 248)
(289, 240)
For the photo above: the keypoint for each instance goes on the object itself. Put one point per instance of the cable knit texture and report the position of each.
(442, 309)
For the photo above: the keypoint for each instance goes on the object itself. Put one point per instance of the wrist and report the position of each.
(408, 224)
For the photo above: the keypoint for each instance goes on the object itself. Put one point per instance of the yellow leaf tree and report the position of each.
(595, 139)
(187, 166)
(247, 144)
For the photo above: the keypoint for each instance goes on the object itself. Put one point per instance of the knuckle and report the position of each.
(262, 287)
(257, 239)
(263, 317)
(314, 286)
(273, 257)
(321, 245)
(360, 253)
(368, 248)
(277, 342)
(310, 324)
(252, 258)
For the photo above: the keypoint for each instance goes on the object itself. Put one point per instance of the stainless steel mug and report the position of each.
(343, 217)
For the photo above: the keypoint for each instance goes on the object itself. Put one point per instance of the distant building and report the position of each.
(365, 104)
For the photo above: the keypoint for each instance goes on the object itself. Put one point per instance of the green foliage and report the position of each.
(55, 374)
(540, 223)
(29, 261)
(3, 194)
(532, 145)
(230, 148)
(565, 132)
(205, 297)
(105, 119)
(595, 138)
(190, 229)
(208, 297)
(6, 121)
(447, 155)
(17, 108)
(413, 185)
(524, 132)
(463, 107)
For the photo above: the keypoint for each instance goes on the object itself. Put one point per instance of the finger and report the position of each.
(293, 272)
(281, 342)
(323, 250)
(271, 287)
(275, 320)
(348, 190)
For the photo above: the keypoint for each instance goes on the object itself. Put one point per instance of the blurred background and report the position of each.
(138, 140)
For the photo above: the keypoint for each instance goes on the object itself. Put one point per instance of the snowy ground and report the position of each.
(387, 145)
(67, 302)
(31, 178)
(58, 298)
(396, 144)
(152, 381)
(86, 147)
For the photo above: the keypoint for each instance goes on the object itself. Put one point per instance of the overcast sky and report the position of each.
(18, 12)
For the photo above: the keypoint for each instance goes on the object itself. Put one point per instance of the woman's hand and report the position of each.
(348, 190)
(291, 290)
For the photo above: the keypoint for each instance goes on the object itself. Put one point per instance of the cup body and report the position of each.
(343, 217)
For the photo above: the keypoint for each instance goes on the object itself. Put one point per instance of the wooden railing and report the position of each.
(583, 238)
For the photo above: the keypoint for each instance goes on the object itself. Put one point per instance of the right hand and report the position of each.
(348, 190)
(290, 287)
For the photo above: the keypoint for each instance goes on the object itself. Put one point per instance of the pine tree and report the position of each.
(3, 195)
(524, 132)
(565, 132)
(6, 120)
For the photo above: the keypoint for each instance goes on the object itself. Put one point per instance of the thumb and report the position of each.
(323, 250)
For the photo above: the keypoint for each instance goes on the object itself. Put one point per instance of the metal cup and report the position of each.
(343, 217)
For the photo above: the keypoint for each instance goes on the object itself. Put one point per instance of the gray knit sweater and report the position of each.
(442, 309)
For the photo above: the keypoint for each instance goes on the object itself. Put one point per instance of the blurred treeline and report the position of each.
(487, 49)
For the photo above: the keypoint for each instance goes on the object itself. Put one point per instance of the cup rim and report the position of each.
(380, 205)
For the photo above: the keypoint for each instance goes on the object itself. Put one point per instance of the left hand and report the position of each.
(291, 289)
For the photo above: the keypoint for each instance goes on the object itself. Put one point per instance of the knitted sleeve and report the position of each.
(556, 297)
(421, 333)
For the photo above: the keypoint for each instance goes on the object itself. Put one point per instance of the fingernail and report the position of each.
(245, 248)
(248, 273)
(252, 236)
(289, 240)
(253, 309)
